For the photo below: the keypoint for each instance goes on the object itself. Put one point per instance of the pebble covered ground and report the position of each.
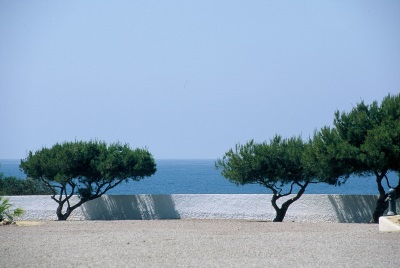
(199, 243)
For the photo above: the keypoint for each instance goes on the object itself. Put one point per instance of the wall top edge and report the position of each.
(49, 196)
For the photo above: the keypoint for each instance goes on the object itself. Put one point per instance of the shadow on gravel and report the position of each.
(353, 208)
(131, 207)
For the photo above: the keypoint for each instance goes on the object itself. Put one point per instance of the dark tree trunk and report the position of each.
(60, 215)
(281, 211)
(381, 204)
(64, 216)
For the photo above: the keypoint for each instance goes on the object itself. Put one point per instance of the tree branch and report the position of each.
(290, 192)
(111, 186)
(62, 189)
(273, 202)
(387, 181)
(302, 190)
(67, 197)
(379, 178)
(50, 187)
(271, 187)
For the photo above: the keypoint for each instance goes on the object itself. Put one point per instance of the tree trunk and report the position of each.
(68, 211)
(60, 215)
(381, 204)
(281, 212)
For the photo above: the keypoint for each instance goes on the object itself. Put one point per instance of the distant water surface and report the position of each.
(201, 177)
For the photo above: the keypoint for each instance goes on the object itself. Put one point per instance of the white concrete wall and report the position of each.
(309, 208)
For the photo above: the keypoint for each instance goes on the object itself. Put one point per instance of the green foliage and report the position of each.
(5, 210)
(273, 165)
(372, 133)
(381, 149)
(354, 126)
(29, 186)
(270, 164)
(88, 169)
(328, 157)
(365, 140)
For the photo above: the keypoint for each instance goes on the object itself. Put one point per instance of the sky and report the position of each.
(188, 79)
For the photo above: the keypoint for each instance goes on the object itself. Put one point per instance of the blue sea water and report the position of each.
(201, 177)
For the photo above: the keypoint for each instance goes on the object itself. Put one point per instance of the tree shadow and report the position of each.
(353, 208)
(130, 207)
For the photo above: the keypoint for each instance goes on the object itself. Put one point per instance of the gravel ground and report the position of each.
(197, 243)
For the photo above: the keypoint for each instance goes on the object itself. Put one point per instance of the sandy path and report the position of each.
(205, 243)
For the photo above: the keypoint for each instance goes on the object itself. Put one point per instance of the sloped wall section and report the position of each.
(309, 208)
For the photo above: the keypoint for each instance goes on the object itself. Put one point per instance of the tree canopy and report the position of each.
(329, 157)
(88, 169)
(364, 141)
(277, 165)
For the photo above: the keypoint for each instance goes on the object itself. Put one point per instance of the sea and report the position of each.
(201, 177)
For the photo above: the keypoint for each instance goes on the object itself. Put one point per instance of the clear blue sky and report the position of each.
(188, 79)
